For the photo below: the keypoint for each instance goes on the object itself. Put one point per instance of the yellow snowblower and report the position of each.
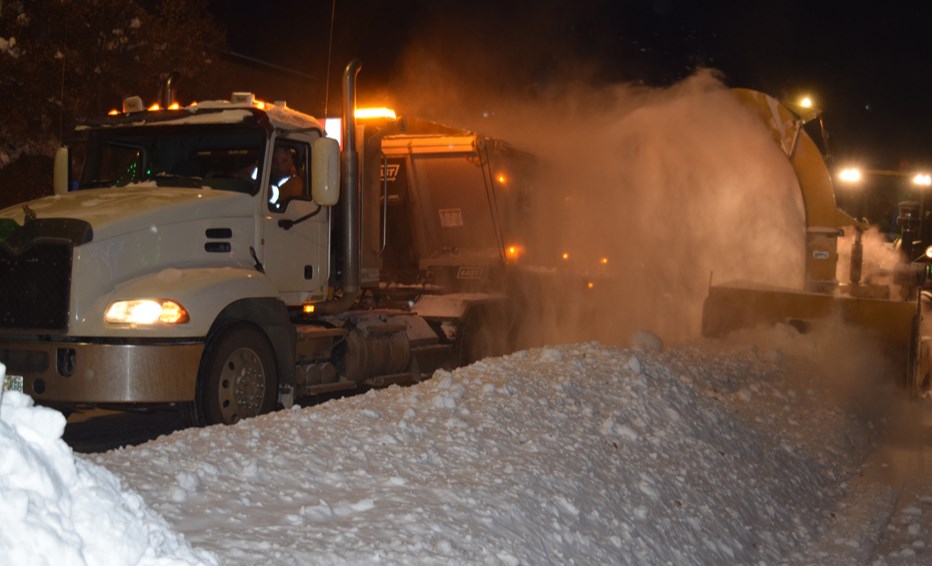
(893, 312)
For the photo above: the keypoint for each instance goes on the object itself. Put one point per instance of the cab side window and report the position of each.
(288, 177)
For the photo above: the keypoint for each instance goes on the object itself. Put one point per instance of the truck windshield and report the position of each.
(219, 157)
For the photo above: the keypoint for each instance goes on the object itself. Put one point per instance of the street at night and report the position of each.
(484, 283)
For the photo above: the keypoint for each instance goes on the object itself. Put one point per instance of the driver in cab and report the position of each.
(285, 177)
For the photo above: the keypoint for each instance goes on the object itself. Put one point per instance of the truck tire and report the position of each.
(237, 379)
(482, 334)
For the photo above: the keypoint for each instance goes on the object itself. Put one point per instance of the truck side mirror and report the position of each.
(325, 171)
(62, 170)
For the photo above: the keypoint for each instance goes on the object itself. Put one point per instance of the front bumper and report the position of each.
(84, 372)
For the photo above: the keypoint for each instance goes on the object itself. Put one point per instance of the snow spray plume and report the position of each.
(844, 364)
(879, 259)
(668, 185)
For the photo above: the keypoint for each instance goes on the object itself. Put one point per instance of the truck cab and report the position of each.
(185, 265)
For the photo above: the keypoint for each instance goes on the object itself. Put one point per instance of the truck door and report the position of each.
(295, 229)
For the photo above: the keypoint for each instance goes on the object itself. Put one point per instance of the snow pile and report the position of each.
(580, 453)
(55, 509)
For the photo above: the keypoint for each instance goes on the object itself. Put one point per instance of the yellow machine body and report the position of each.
(731, 306)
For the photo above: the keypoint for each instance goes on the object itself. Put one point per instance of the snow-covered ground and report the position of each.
(589, 454)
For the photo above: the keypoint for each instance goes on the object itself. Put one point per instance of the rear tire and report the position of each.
(482, 334)
(237, 379)
(918, 379)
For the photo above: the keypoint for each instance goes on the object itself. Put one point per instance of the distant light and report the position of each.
(259, 104)
(308, 308)
(155, 107)
(113, 112)
(850, 175)
(513, 252)
(590, 285)
(806, 102)
(566, 256)
(174, 106)
(502, 180)
(604, 261)
(922, 179)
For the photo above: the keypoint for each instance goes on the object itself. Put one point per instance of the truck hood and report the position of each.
(115, 211)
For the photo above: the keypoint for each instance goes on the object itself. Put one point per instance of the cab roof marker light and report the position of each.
(246, 98)
(133, 104)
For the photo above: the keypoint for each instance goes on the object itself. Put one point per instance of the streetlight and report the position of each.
(850, 175)
(805, 102)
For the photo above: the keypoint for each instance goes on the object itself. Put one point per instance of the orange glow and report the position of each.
(368, 113)
(155, 107)
(173, 313)
(308, 308)
(513, 252)
(502, 180)
(259, 104)
(566, 256)
(174, 106)
(590, 285)
(113, 112)
(604, 261)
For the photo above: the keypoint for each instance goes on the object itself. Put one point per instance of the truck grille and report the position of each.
(35, 284)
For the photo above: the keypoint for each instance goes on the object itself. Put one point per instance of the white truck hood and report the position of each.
(115, 211)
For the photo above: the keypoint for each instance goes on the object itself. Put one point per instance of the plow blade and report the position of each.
(732, 307)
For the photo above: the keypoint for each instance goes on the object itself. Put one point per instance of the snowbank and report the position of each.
(571, 454)
(56, 509)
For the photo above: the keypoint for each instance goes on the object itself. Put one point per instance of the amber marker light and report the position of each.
(513, 252)
(173, 313)
(113, 112)
(155, 107)
(369, 113)
(174, 106)
(308, 308)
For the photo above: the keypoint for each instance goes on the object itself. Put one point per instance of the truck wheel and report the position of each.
(481, 335)
(237, 379)
(918, 380)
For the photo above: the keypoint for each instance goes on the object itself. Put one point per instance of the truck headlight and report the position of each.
(146, 311)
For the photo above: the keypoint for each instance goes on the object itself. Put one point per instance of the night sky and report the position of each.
(867, 67)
